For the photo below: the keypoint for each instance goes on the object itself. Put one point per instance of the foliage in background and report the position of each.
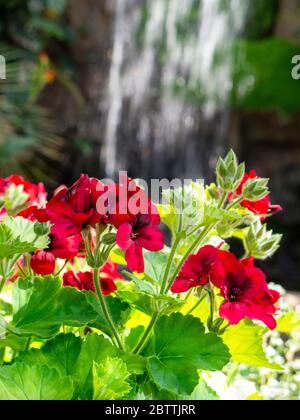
(29, 142)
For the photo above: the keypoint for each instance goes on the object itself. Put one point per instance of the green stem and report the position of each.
(169, 264)
(62, 269)
(212, 307)
(198, 241)
(235, 203)
(3, 274)
(200, 300)
(140, 346)
(105, 310)
(222, 200)
(143, 341)
(2, 284)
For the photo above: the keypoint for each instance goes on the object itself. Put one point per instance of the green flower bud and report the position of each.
(109, 239)
(256, 189)
(260, 242)
(229, 172)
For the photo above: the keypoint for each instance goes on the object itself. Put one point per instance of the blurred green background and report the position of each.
(157, 87)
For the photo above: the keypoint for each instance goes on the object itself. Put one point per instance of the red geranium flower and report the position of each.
(72, 209)
(127, 200)
(196, 270)
(84, 280)
(43, 262)
(244, 289)
(36, 192)
(259, 207)
(138, 233)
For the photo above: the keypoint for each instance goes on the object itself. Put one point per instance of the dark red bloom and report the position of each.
(196, 270)
(72, 209)
(138, 233)
(127, 200)
(244, 289)
(84, 280)
(80, 280)
(43, 263)
(259, 207)
(36, 192)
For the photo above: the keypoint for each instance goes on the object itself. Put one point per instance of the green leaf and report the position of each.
(155, 264)
(41, 306)
(18, 235)
(97, 349)
(110, 379)
(255, 397)
(169, 217)
(149, 304)
(119, 311)
(203, 392)
(245, 343)
(178, 349)
(5, 308)
(24, 382)
(289, 323)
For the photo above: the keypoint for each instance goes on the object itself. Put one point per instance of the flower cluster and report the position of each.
(241, 284)
(84, 280)
(88, 203)
(35, 193)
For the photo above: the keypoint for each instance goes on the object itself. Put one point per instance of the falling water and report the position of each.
(166, 110)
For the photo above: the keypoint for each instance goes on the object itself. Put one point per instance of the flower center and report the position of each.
(134, 236)
(234, 294)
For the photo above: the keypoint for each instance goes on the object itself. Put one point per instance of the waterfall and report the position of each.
(166, 107)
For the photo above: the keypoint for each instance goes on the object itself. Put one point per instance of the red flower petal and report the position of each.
(43, 263)
(233, 312)
(124, 239)
(151, 238)
(134, 258)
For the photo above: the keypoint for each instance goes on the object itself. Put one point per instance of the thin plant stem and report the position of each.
(212, 307)
(169, 264)
(105, 310)
(142, 343)
(200, 300)
(191, 249)
(62, 269)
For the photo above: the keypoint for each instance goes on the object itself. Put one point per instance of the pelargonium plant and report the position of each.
(106, 295)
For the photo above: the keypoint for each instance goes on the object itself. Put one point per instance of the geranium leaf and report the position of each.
(96, 349)
(110, 379)
(289, 323)
(41, 306)
(18, 235)
(203, 392)
(179, 348)
(245, 343)
(61, 353)
(24, 382)
(119, 311)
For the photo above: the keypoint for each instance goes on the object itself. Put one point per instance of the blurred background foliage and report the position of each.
(158, 87)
